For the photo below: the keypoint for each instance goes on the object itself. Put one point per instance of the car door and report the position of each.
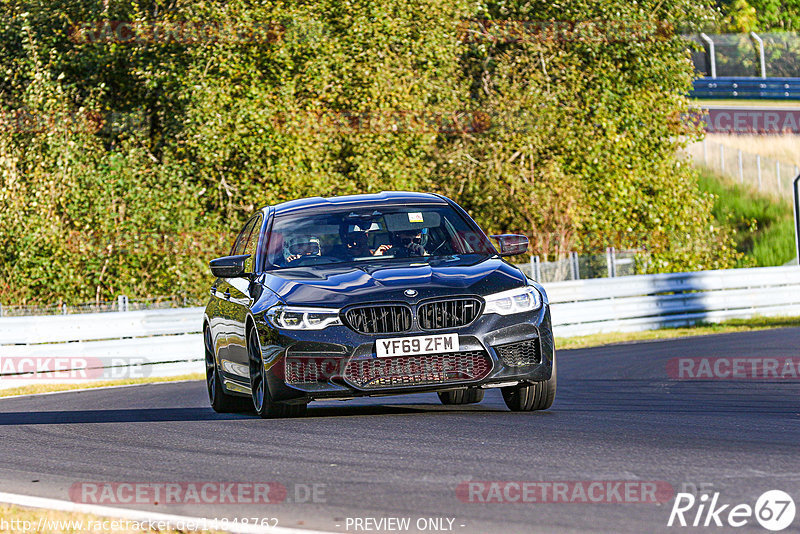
(241, 301)
(223, 326)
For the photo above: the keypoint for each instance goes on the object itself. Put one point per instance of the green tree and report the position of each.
(124, 167)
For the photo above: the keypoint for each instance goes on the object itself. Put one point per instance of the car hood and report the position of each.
(340, 285)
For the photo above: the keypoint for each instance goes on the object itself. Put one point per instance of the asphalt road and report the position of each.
(618, 416)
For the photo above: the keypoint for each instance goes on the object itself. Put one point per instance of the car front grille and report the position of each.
(418, 370)
(304, 370)
(449, 313)
(521, 353)
(382, 319)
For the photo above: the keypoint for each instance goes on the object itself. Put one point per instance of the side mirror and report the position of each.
(512, 244)
(228, 266)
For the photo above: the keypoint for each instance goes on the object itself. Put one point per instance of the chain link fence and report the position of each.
(574, 267)
(122, 303)
(762, 55)
(762, 173)
(583, 266)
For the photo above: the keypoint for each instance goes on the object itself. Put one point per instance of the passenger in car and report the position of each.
(405, 244)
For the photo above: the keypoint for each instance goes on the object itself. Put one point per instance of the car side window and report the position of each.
(241, 241)
(252, 244)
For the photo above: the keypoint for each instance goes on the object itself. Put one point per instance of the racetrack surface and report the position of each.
(617, 416)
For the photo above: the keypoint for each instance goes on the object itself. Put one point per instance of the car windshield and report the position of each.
(372, 234)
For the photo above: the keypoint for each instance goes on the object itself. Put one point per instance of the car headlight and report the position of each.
(523, 299)
(302, 318)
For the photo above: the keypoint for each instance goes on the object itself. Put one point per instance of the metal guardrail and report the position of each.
(87, 327)
(746, 88)
(160, 338)
(645, 302)
(100, 346)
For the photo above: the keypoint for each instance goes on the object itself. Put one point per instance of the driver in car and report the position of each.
(405, 244)
(298, 247)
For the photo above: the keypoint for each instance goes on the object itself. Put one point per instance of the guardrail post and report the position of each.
(711, 54)
(760, 53)
(122, 303)
(741, 167)
(63, 309)
(611, 261)
(536, 268)
(758, 166)
(797, 216)
(575, 267)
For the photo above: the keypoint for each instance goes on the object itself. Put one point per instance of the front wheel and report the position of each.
(220, 401)
(538, 396)
(262, 401)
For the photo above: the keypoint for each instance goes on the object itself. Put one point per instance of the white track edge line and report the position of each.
(143, 515)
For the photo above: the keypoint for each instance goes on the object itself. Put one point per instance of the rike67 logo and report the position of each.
(774, 510)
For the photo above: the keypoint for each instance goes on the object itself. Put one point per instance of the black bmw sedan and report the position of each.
(382, 294)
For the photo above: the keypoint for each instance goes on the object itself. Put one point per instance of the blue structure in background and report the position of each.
(746, 88)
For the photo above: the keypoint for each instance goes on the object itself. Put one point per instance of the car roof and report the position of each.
(353, 201)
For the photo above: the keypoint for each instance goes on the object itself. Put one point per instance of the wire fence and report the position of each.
(121, 303)
(574, 267)
(762, 173)
(761, 55)
(583, 266)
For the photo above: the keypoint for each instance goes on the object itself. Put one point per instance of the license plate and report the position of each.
(410, 346)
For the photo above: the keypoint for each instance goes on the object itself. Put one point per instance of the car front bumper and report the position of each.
(338, 363)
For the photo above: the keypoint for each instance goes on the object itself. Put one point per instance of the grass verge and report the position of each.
(784, 148)
(49, 388)
(700, 329)
(762, 226)
(19, 519)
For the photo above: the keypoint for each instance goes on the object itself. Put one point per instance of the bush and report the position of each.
(571, 140)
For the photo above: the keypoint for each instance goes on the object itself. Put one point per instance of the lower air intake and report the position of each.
(521, 353)
(418, 370)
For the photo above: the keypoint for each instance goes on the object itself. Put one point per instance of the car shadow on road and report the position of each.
(389, 409)
(132, 415)
(156, 415)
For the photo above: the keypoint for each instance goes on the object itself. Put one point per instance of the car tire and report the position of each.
(221, 402)
(262, 400)
(533, 397)
(461, 396)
